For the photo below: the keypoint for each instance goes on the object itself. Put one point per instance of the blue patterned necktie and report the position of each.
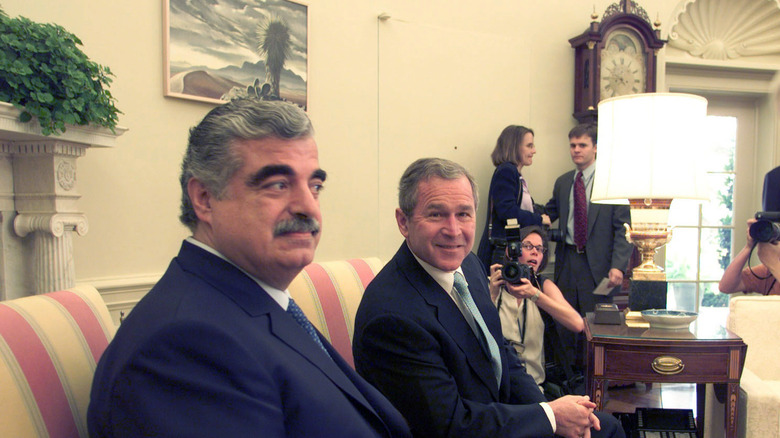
(462, 288)
(304, 322)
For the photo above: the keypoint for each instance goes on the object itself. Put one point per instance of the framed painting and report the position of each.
(221, 49)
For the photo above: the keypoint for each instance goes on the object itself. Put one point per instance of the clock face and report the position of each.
(623, 64)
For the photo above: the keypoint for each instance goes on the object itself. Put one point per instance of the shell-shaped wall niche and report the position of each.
(728, 29)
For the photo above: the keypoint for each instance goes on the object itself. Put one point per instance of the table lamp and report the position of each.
(649, 149)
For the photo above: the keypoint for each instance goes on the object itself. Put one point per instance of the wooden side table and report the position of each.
(639, 354)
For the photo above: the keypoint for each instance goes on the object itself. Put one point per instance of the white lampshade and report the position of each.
(649, 147)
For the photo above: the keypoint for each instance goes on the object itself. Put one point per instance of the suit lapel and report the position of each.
(593, 209)
(449, 316)
(256, 302)
(593, 213)
(565, 191)
(334, 367)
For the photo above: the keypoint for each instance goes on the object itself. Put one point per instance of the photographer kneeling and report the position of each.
(527, 303)
(764, 235)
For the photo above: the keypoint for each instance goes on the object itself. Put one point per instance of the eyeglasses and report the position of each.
(539, 248)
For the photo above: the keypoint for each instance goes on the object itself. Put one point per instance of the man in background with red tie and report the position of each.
(593, 243)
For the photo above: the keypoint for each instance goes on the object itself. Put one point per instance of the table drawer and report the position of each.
(670, 364)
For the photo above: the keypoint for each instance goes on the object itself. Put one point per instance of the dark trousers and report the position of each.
(577, 284)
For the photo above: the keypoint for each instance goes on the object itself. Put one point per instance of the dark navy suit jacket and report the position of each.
(412, 342)
(207, 352)
(504, 200)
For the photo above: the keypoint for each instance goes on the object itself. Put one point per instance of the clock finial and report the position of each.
(593, 15)
(657, 22)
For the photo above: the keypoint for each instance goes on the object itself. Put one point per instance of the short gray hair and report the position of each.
(210, 157)
(425, 169)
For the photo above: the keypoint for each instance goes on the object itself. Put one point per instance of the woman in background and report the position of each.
(528, 308)
(509, 196)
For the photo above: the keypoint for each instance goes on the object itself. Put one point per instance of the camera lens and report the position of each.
(765, 231)
(556, 235)
(513, 272)
(510, 271)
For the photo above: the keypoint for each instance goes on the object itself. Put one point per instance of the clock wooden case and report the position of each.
(613, 58)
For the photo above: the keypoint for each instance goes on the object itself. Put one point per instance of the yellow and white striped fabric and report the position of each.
(49, 347)
(329, 294)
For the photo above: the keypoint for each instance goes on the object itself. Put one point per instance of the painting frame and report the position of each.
(218, 51)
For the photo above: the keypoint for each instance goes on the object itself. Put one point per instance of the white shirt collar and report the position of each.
(282, 297)
(587, 173)
(445, 279)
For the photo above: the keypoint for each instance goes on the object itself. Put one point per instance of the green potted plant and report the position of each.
(46, 76)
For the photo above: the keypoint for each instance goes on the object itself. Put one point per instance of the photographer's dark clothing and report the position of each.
(504, 202)
(771, 197)
(523, 326)
(533, 334)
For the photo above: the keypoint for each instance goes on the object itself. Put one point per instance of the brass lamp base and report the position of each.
(648, 237)
(648, 240)
(648, 275)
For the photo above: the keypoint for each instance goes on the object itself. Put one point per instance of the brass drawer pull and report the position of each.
(667, 365)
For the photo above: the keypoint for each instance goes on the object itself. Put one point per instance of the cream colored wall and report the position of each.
(439, 77)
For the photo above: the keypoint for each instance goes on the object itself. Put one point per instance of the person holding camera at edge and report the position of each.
(762, 278)
(591, 238)
(763, 234)
(527, 304)
(428, 336)
(509, 196)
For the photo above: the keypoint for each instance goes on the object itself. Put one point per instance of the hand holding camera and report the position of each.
(511, 270)
(766, 227)
(763, 237)
(524, 288)
(764, 233)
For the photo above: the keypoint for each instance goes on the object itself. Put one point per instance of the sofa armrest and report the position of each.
(762, 416)
(49, 348)
(756, 319)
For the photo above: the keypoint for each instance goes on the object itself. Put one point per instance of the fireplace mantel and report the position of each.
(38, 202)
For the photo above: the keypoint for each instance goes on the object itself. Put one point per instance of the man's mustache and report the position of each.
(297, 225)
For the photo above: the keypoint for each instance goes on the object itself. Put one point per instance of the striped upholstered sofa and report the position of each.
(50, 344)
(49, 347)
(329, 294)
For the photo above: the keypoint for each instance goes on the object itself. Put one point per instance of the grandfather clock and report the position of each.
(614, 57)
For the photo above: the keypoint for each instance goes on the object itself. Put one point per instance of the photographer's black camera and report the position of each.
(767, 227)
(555, 234)
(511, 270)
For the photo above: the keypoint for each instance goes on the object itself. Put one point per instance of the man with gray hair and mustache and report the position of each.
(218, 347)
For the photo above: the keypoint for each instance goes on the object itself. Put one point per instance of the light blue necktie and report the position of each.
(493, 354)
(304, 322)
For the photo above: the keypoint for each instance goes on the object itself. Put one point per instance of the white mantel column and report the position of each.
(46, 198)
(38, 203)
